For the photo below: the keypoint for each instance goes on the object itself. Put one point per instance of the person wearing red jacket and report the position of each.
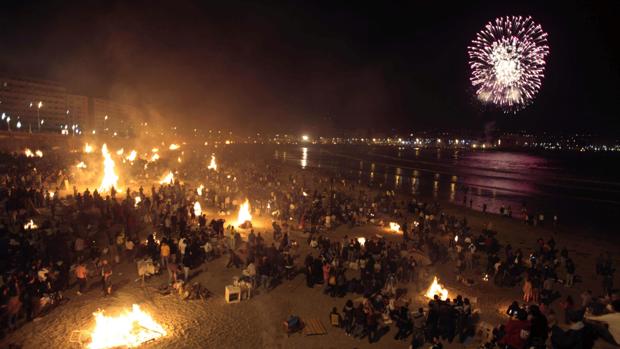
(517, 331)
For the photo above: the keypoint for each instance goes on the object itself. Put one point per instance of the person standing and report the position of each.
(106, 277)
(81, 273)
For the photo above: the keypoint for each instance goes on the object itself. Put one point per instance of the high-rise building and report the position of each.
(33, 102)
(47, 103)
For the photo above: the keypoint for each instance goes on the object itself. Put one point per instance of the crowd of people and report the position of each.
(55, 236)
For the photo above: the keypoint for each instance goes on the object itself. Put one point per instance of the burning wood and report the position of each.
(197, 209)
(436, 289)
(110, 178)
(130, 329)
(174, 146)
(395, 227)
(244, 216)
(168, 178)
(132, 155)
(212, 165)
(361, 240)
(30, 225)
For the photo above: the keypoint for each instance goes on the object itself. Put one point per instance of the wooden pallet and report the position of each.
(314, 327)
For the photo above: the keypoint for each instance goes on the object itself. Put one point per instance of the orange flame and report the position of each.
(129, 329)
(110, 178)
(436, 289)
(167, 179)
(244, 213)
(212, 165)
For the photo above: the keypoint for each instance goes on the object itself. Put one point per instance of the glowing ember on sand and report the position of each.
(212, 165)
(244, 213)
(110, 178)
(436, 289)
(174, 146)
(132, 156)
(129, 329)
(168, 178)
(197, 209)
(395, 227)
(200, 189)
(88, 148)
(30, 225)
(81, 164)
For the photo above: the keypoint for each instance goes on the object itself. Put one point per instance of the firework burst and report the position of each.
(507, 61)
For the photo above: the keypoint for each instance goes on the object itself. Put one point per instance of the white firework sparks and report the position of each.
(507, 60)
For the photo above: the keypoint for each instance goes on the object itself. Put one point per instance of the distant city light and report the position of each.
(305, 138)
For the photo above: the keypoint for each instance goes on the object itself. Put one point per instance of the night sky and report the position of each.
(277, 66)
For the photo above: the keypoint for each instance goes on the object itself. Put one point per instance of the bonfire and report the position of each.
(212, 165)
(361, 240)
(244, 218)
(168, 178)
(200, 189)
(130, 329)
(132, 155)
(436, 289)
(197, 209)
(30, 225)
(110, 178)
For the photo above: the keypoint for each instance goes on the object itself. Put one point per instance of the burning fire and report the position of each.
(168, 178)
(174, 146)
(155, 157)
(155, 150)
(88, 148)
(120, 152)
(30, 225)
(179, 160)
(129, 329)
(244, 213)
(110, 178)
(30, 154)
(137, 201)
(361, 240)
(81, 164)
(436, 289)
(395, 227)
(212, 165)
(132, 155)
(197, 209)
(200, 189)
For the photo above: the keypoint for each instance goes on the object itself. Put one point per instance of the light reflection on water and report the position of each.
(304, 157)
(494, 178)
